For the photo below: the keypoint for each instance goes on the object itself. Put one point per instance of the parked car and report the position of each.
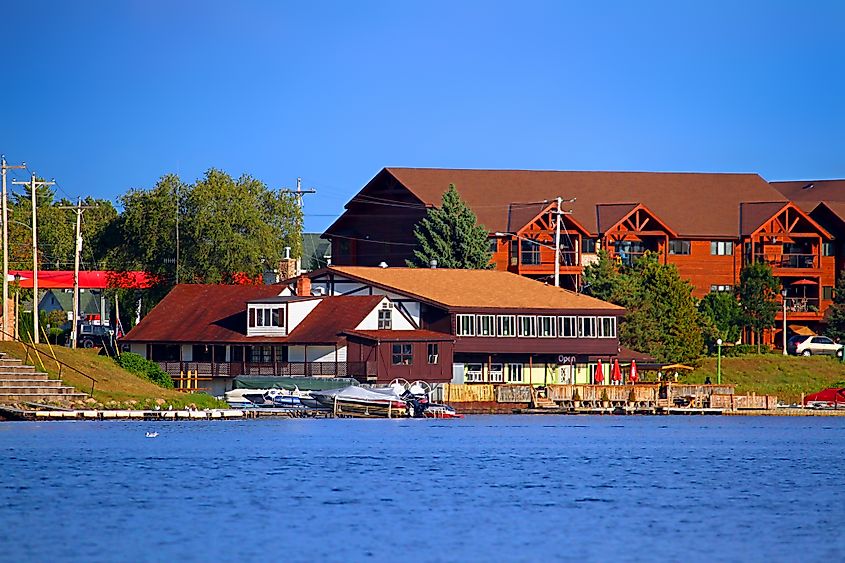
(813, 345)
(95, 336)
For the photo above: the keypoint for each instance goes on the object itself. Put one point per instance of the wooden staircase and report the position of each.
(21, 383)
(539, 401)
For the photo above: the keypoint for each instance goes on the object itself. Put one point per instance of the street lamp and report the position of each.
(719, 361)
(783, 294)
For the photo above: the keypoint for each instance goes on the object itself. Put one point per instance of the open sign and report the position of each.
(565, 360)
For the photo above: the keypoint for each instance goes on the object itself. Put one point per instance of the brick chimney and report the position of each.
(303, 286)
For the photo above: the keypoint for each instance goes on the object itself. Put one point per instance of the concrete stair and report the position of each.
(20, 382)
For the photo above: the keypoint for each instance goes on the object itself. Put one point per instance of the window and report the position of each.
(486, 325)
(527, 326)
(530, 252)
(589, 246)
(721, 248)
(433, 353)
(466, 325)
(679, 247)
(474, 373)
(822, 340)
(546, 327)
(827, 249)
(587, 327)
(722, 288)
(403, 354)
(266, 317)
(497, 374)
(494, 245)
(385, 318)
(264, 354)
(607, 327)
(514, 373)
(568, 327)
(506, 325)
(827, 292)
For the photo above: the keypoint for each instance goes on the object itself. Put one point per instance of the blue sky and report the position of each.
(108, 95)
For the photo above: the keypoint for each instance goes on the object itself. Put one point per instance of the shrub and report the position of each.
(138, 365)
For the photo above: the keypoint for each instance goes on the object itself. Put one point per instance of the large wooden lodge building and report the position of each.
(708, 225)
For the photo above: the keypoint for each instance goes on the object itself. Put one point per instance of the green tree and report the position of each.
(451, 235)
(603, 280)
(725, 316)
(836, 312)
(757, 292)
(229, 231)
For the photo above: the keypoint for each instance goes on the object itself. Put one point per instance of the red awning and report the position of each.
(832, 396)
(90, 279)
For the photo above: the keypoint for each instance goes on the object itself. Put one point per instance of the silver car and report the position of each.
(813, 346)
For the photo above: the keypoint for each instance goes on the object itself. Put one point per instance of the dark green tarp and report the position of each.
(303, 383)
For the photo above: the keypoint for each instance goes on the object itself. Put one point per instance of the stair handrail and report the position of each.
(54, 358)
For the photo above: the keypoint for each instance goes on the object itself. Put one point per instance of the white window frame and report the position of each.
(572, 320)
(473, 375)
(512, 370)
(459, 321)
(490, 321)
(721, 248)
(584, 321)
(497, 373)
(552, 326)
(602, 328)
(533, 327)
(511, 321)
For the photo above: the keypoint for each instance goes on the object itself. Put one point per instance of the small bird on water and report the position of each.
(152, 434)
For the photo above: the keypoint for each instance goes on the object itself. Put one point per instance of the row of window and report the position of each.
(403, 354)
(266, 316)
(540, 326)
(717, 247)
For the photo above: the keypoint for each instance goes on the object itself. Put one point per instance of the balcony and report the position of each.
(802, 305)
(361, 370)
(536, 261)
(791, 261)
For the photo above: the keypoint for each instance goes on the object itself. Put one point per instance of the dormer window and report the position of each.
(266, 319)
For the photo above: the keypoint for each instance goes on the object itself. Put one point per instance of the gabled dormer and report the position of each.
(277, 316)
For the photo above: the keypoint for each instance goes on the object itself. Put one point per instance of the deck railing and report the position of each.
(806, 261)
(802, 305)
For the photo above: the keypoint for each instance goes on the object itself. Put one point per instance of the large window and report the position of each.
(474, 373)
(587, 327)
(265, 354)
(466, 325)
(530, 252)
(679, 247)
(486, 325)
(589, 246)
(497, 373)
(607, 327)
(527, 326)
(506, 325)
(721, 248)
(568, 327)
(546, 327)
(403, 354)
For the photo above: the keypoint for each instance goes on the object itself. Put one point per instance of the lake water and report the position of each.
(486, 488)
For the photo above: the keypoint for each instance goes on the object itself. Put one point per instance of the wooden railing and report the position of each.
(806, 261)
(802, 305)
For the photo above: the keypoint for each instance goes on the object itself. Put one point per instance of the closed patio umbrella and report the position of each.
(599, 374)
(634, 377)
(616, 374)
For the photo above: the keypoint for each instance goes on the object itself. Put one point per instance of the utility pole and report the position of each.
(557, 242)
(79, 208)
(5, 206)
(33, 187)
(299, 193)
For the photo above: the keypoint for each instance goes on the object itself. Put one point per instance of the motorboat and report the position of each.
(355, 395)
(268, 398)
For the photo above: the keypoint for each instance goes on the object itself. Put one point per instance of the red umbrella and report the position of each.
(616, 373)
(599, 373)
(633, 377)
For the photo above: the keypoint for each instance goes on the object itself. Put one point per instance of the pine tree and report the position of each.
(452, 236)
(757, 292)
(836, 312)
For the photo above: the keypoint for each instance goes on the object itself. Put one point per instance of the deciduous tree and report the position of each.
(757, 292)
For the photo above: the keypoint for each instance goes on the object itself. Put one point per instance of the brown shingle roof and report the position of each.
(217, 313)
(693, 204)
(812, 190)
(474, 289)
(753, 215)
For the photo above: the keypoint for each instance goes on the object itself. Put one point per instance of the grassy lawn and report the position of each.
(774, 374)
(115, 387)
